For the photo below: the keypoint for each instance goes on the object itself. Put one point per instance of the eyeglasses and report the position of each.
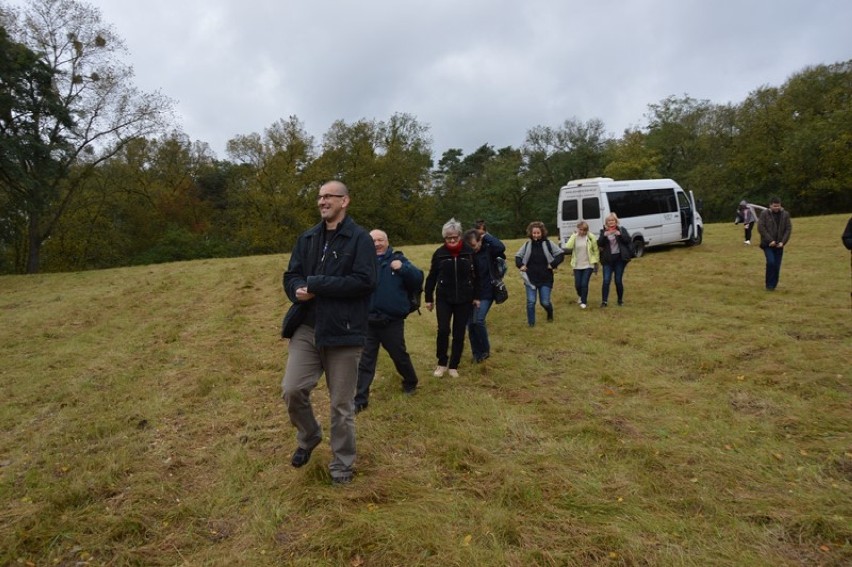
(328, 196)
(451, 238)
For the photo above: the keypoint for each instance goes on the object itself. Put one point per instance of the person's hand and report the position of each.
(773, 244)
(302, 294)
(780, 245)
(429, 306)
(396, 264)
(523, 268)
(476, 303)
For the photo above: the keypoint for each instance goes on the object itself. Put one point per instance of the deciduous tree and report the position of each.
(83, 56)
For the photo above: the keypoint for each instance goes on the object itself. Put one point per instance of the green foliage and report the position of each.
(88, 196)
(88, 83)
(179, 243)
(631, 158)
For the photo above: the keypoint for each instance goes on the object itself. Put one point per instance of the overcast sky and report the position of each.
(473, 71)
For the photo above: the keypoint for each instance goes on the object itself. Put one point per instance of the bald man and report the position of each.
(389, 306)
(330, 278)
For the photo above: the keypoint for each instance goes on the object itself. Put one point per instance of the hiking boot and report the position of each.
(341, 480)
(301, 456)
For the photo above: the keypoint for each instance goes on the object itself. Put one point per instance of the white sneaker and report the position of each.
(454, 373)
(582, 306)
(579, 300)
(747, 242)
(439, 371)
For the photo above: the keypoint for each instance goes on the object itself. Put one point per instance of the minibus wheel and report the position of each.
(697, 238)
(638, 247)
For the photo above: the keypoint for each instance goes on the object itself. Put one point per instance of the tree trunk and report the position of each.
(33, 246)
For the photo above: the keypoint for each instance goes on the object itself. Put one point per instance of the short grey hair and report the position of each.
(451, 225)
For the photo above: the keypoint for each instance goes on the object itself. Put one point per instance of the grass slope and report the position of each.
(707, 422)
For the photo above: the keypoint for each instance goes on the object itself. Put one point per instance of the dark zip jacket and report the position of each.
(624, 244)
(390, 300)
(491, 249)
(343, 276)
(453, 279)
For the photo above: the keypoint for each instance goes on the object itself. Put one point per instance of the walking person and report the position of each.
(537, 258)
(745, 215)
(330, 278)
(389, 306)
(775, 228)
(614, 248)
(486, 250)
(452, 289)
(847, 242)
(584, 260)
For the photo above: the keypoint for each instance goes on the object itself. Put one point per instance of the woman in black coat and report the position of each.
(452, 288)
(614, 246)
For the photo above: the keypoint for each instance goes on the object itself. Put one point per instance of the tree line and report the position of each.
(94, 174)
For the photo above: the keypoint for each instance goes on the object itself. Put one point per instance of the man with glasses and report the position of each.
(330, 277)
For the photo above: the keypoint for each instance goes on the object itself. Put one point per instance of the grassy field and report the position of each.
(707, 422)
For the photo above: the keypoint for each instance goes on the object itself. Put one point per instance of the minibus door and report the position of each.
(687, 218)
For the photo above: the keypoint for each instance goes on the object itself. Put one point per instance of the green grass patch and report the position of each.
(706, 422)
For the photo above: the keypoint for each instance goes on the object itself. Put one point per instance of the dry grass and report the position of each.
(707, 422)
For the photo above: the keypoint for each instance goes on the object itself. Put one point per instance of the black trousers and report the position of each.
(452, 318)
(391, 336)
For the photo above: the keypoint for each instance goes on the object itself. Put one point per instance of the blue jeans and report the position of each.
(581, 283)
(614, 267)
(479, 343)
(773, 265)
(543, 295)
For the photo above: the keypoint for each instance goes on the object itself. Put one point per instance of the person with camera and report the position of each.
(615, 251)
(389, 306)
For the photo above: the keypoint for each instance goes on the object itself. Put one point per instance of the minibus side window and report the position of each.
(569, 210)
(591, 208)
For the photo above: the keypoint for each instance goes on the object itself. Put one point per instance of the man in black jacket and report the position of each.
(331, 274)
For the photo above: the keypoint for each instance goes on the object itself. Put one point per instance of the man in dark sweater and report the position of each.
(775, 228)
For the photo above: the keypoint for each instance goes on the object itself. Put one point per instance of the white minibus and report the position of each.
(654, 211)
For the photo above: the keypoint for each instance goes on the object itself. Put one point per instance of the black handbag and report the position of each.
(498, 286)
(501, 293)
